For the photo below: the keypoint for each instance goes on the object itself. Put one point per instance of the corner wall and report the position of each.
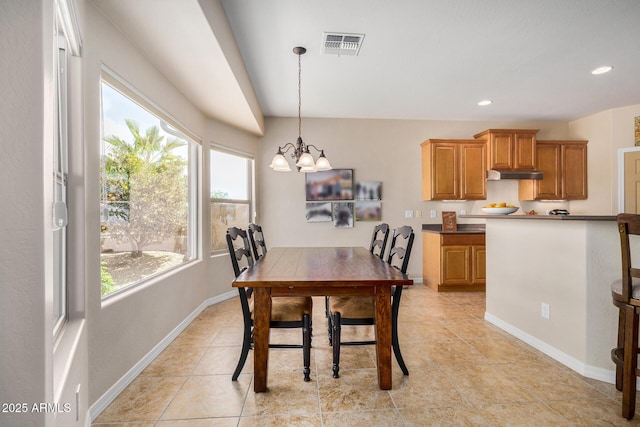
(126, 327)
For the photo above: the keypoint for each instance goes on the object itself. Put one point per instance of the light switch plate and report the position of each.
(408, 214)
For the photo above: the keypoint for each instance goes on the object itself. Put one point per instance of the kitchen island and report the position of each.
(548, 281)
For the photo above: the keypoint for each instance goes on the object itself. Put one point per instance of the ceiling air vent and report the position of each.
(341, 43)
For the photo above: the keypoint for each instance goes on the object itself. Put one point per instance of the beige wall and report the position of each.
(124, 328)
(567, 264)
(377, 150)
(117, 335)
(607, 131)
(26, 132)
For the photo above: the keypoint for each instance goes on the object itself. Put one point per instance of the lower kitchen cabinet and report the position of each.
(454, 261)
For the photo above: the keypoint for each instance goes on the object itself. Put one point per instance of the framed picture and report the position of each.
(369, 190)
(335, 184)
(343, 214)
(319, 212)
(368, 211)
(449, 221)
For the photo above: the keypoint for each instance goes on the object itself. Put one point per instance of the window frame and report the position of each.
(250, 202)
(59, 183)
(194, 158)
(67, 42)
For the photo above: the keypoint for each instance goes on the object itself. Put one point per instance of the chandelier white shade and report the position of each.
(304, 160)
(279, 163)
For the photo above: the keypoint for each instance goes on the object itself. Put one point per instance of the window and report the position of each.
(59, 209)
(231, 194)
(67, 42)
(148, 189)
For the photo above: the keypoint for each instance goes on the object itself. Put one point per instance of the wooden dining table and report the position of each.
(320, 271)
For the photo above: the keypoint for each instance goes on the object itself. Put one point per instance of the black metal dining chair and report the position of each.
(379, 240)
(378, 244)
(256, 238)
(353, 310)
(286, 312)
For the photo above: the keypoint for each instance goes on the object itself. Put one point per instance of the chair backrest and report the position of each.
(256, 237)
(239, 249)
(628, 225)
(400, 251)
(379, 240)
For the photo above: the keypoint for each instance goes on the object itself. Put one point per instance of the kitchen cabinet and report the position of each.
(564, 167)
(510, 148)
(454, 261)
(454, 169)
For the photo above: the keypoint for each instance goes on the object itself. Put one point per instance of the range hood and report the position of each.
(499, 174)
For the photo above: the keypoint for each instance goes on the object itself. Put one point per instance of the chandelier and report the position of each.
(304, 159)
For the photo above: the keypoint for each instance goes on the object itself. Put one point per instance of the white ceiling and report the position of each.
(420, 59)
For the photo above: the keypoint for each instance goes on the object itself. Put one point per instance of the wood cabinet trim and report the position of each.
(458, 175)
(566, 180)
(454, 261)
(510, 148)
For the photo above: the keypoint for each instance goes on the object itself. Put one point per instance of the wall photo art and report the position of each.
(334, 184)
(368, 211)
(319, 212)
(343, 214)
(368, 190)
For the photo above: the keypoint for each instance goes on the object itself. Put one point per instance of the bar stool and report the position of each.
(626, 296)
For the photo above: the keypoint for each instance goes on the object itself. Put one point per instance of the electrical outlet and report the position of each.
(545, 310)
(433, 214)
(463, 212)
(418, 213)
(408, 214)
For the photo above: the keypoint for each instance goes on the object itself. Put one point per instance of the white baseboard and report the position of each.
(113, 392)
(605, 375)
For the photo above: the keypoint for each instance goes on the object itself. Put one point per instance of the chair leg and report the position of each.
(246, 346)
(630, 362)
(395, 344)
(306, 345)
(330, 329)
(621, 316)
(336, 345)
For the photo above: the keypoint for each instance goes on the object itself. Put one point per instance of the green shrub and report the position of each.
(106, 279)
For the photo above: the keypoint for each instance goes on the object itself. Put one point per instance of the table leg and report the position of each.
(383, 336)
(261, 322)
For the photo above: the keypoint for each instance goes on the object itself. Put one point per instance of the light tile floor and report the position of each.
(463, 371)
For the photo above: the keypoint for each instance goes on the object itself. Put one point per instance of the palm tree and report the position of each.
(145, 187)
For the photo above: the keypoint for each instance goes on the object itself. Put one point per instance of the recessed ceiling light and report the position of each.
(485, 102)
(602, 70)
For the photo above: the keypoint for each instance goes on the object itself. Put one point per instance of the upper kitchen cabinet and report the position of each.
(454, 169)
(510, 148)
(564, 165)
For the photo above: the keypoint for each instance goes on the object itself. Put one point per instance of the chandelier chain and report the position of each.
(299, 96)
(299, 150)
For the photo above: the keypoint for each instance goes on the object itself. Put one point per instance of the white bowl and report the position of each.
(499, 211)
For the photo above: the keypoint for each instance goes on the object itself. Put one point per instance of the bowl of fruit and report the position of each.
(499, 208)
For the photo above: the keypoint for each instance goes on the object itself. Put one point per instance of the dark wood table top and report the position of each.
(321, 266)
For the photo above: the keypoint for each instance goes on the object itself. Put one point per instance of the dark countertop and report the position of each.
(547, 217)
(462, 229)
